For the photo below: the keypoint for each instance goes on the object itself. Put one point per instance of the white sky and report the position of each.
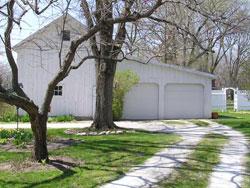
(30, 24)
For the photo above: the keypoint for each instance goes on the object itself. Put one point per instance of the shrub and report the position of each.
(61, 118)
(25, 118)
(123, 83)
(6, 133)
(8, 118)
(3, 140)
(19, 136)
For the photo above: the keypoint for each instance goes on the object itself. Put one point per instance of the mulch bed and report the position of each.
(55, 162)
(56, 143)
(58, 162)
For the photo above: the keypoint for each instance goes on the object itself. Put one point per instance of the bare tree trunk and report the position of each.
(104, 96)
(39, 128)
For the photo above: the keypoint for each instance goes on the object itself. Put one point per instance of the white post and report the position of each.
(236, 94)
(225, 95)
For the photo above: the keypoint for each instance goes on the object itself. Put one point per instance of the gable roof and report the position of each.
(43, 29)
(135, 59)
(174, 67)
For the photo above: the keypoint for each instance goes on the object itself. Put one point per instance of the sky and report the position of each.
(30, 24)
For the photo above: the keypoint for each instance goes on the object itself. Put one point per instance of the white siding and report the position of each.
(39, 68)
(162, 76)
(38, 63)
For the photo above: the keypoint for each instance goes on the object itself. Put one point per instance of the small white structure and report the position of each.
(219, 100)
(164, 92)
(242, 103)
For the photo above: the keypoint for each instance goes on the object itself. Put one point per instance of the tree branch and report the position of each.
(8, 51)
(16, 100)
(90, 24)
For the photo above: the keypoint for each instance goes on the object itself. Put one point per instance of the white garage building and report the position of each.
(167, 92)
(164, 92)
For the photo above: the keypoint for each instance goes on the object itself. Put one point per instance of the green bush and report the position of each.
(117, 107)
(6, 133)
(123, 83)
(11, 118)
(3, 140)
(61, 118)
(8, 118)
(19, 136)
(25, 118)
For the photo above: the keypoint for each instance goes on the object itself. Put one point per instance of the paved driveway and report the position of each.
(227, 174)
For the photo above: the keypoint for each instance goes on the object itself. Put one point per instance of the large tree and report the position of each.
(107, 45)
(201, 22)
(104, 18)
(14, 11)
(234, 67)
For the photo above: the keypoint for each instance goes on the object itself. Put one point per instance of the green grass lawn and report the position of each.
(171, 122)
(5, 156)
(194, 121)
(239, 121)
(198, 122)
(195, 172)
(106, 158)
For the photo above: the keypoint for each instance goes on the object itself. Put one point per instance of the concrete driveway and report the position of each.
(227, 174)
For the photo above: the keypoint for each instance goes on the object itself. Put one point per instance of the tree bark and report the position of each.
(103, 119)
(39, 128)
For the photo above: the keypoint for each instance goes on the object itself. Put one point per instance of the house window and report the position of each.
(58, 91)
(66, 35)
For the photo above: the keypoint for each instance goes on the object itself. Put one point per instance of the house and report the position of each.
(164, 92)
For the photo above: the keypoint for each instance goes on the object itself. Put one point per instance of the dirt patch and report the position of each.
(55, 163)
(56, 143)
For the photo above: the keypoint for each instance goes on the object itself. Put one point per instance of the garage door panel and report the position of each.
(184, 101)
(184, 87)
(142, 102)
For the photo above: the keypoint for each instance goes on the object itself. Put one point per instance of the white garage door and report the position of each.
(184, 101)
(142, 102)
